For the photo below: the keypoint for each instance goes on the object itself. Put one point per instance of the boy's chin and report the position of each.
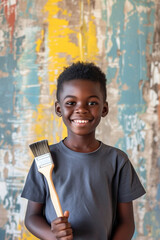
(83, 133)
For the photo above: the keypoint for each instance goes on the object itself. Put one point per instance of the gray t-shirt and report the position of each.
(89, 185)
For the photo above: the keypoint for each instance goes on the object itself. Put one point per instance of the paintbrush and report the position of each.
(45, 166)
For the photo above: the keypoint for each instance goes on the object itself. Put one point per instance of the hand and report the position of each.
(61, 228)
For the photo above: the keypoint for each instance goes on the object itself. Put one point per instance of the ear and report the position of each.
(58, 109)
(105, 109)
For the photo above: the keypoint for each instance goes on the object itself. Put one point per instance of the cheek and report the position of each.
(66, 113)
(97, 113)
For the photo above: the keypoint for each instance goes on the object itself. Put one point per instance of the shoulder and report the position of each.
(58, 151)
(55, 148)
(114, 150)
(115, 155)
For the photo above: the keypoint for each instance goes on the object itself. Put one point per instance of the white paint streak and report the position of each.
(128, 11)
(141, 9)
(153, 98)
(135, 135)
(12, 2)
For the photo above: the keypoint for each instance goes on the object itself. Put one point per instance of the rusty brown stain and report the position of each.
(3, 74)
(125, 87)
(158, 108)
(3, 218)
(140, 84)
(156, 54)
(5, 173)
(6, 158)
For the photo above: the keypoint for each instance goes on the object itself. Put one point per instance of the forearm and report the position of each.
(38, 226)
(123, 232)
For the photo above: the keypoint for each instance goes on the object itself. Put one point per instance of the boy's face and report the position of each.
(81, 106)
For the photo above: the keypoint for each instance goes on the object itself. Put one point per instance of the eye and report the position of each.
(70, 103)
(92, 103)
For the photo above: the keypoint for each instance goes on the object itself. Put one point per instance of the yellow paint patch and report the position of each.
(87, 38)
(52, 7)
(25, 234)
(92, 48)
(62, 48)
(39, 41)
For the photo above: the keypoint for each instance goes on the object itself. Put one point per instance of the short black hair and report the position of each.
(82, 70)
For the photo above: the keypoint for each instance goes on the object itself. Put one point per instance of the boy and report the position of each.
(96, 183)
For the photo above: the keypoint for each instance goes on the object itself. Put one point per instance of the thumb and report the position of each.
(66, 214)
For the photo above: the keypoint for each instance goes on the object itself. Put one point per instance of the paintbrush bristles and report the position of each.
(45, 166)
(39, 148)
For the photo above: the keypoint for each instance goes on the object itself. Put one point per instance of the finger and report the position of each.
(60, 227)
(67, 238)
(60, 220)
(66, 214)
(64, 233)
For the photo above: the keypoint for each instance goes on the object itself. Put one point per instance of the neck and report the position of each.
(82, 143)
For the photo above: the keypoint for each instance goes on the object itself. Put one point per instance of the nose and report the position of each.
(81, 109)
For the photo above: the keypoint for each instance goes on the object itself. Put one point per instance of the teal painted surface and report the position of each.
(7, 89)
(18, 85)
(132, 44)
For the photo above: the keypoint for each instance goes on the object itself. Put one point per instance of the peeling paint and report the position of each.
(37, 39)
(10, 15)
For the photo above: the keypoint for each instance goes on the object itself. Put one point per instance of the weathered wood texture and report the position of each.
(37, 39)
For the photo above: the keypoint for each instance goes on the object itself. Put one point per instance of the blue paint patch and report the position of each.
(7, 63)
(135, 58)
(2, 233)
(18, 45)
(14, 87)
(135, 235)
(133, 128)
(28, 13)
(116, 21)
(151, 223)
(7, 91)
(28, 84)
(158, 192)
(133, 46)
(111, 72)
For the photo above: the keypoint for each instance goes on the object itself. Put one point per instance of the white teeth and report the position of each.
(80, 121)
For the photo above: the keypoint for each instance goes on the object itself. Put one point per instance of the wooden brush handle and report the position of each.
(47, 172)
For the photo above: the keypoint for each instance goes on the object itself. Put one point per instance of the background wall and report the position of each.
(37, 39)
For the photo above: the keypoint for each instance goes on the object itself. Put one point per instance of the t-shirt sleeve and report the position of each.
(130, 186)
(34, 188)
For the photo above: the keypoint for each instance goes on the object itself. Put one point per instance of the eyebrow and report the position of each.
(72, 96)
(69, 96)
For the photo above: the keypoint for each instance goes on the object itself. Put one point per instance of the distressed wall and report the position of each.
(37, 39)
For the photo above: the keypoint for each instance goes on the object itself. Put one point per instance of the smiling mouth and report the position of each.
(82, 122)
